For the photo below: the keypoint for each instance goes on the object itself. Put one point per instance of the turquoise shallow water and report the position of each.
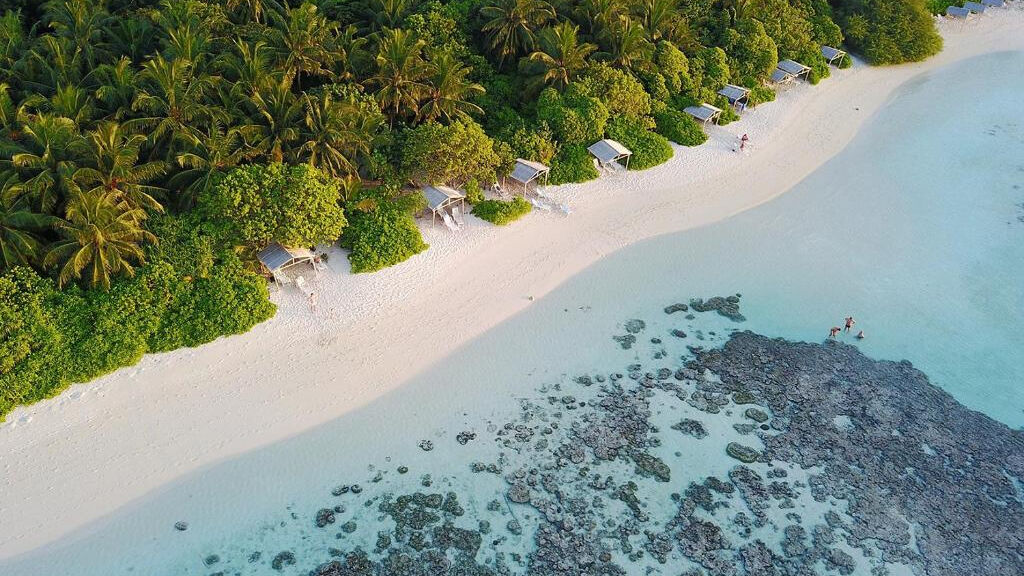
(916, 229)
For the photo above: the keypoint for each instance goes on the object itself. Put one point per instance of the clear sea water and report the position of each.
(916, 229)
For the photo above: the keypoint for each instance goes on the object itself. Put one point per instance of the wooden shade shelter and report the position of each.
(705, 113)
(276, 258)
(832, 54)
(736, 95)
(528, 171)
(441, 199)
(975, 7)
(609, 151)
(792, 70)
(994, 3)
(958, 13)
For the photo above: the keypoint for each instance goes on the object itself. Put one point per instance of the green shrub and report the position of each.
(673, 66)
(433, 153)
(939, 6)
(575, 116)
(620, 91)
(259, 203)
(501, 212)
(649, 149)
(192, 290)
(889, 31)
(760, 94)
(474, 193)
(572, 164)
(679, 127)
(381, 235)
(729, 114)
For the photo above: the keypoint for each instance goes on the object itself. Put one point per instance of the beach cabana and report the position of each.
(792, 70)
(276, 258)
(442, 199)
(958, 13)
(780, 77)
(736, 95)
(610, 152)
(705, 113)
(994, 3)
(832, 54)
(975, 7)
(528, 171)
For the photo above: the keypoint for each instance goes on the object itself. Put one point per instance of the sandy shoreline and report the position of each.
(78, 457)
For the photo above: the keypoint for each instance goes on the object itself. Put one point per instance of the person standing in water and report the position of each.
(833, 332)
(849, 323)
(860, 335)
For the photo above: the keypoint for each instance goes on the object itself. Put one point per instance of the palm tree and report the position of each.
(19, 245)
(511, 24)
(82, 23)
(254, 9)
(561, 54)
(659, 17)
(102, 237)
(13, 41)
(305, 43)
(46, 161)
(599, 15)
(53, 61)
(189, 41)
(276, 123)
(351, 49)
(627, 43)
(337, 132)
(247, 66)
(116, 89)
(448, 91)
(172, 99)
(400, 71)
(737, 10)
(70, 102)
(112, 165)
(132, 38)
(217, 150)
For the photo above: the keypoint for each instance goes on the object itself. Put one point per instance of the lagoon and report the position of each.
(916, 229)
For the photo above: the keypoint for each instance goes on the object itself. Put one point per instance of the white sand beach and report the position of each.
(75, 458)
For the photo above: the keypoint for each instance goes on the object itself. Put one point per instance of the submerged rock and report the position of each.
(691, 427)
(677, 307)
(742, 453)
(728, 306)
(890, 482)
(283, 559)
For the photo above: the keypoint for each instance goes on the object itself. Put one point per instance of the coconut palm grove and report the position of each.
(149, 149)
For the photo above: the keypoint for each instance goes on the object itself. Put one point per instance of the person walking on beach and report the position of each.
(743, 142)
(849, 323)
(834, 331)
(312, 301)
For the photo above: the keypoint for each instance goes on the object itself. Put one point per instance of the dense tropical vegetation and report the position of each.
(148, 148)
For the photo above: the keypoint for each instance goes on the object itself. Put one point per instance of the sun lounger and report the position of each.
(460, 220)
(565, 209)
(282, 279)
(540, 205)
(301, 284)
(449, 223)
